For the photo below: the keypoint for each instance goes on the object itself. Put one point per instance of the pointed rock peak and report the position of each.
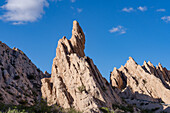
(130, 57)
(160, 65)
(122, 67)
(77, 29)
(75, 45)
(130, 61)
(144, 63)
(78, 39)
(114, 68)
(150, 64)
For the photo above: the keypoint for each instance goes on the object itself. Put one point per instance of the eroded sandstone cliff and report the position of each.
(146, 86)
(20, 79)
(75, 81)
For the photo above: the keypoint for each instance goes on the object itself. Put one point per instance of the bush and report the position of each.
(71, 110)
(40, 107)
(105, 110)
(128, 108)
(82, 88)
(15, 111)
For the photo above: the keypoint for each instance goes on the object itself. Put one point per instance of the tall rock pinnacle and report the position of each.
(78, 39)
(75, 80)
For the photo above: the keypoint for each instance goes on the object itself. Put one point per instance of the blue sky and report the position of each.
(114, 29)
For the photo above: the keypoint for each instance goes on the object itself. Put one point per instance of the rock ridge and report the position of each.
(145, 82)
(20, 79)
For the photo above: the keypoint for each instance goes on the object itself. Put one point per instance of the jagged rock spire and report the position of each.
(75, 80)
(131, 61)
(78, 39)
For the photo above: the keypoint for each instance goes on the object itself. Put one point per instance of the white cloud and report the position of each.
(23, 11)
(128, 9)
(73, 1)
(142, 8)
(18, 23)
(72, 7)
(160, 10)
(79, 10)
(166, 18)
(118, 29)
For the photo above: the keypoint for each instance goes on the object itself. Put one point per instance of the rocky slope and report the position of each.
(75, 81)
(146, 86)
(20, 79)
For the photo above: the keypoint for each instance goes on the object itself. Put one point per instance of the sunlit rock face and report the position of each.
(139, 83)
(20, 79)
(75, 80)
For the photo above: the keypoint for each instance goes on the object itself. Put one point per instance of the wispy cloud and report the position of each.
(166, 18)
(79, 10)
(23, 11)
(119, 29)
(128, 9)
(73, 1)
(142, 8)
(161, 10)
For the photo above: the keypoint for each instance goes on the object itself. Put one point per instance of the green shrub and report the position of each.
(40, 107)
(105, 110)
(128, 108)
(82, 88)
(15, 111)
(71, 110)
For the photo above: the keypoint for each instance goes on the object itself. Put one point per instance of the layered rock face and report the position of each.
(75, 81)
(145, 83)
(20, 79)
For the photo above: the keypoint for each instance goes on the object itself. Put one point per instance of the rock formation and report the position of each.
(20, 79)
(146, 83)
(75, 81)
